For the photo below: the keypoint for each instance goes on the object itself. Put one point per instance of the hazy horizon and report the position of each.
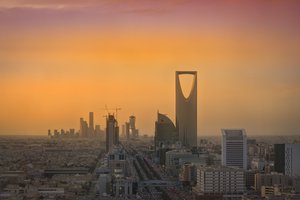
(60, 60)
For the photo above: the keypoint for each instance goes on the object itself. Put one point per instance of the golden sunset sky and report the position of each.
(61, 59)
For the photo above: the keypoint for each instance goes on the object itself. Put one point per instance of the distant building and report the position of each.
(281, 180)
(286, 159)
(127, 132)
(132, 129)
(258, 164)
(175, 159)
(188, 174)
(91, 129)
(123, 131)
(83, 128)
(49, 133)
(99, 133)
(186, 111)
(56, 133)
(234, 148)
(112, 132)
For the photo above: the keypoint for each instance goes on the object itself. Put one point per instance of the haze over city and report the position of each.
(61, 59)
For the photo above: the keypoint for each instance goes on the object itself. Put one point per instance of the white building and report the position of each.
(234, 148)
(220, 180)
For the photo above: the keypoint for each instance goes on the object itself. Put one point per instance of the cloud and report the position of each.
(34, 6)
(41, 4)
(126, 6)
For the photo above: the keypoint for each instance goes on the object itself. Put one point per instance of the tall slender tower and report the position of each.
(91, 120)
(83, 128)
(186, 111)
(91, 129)
(112, 132)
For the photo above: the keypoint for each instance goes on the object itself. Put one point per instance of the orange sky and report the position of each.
(60, 60)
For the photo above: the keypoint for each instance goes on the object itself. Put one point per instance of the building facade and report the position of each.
(286, 159)
(234, 148)
(165, 131)
(220, 180)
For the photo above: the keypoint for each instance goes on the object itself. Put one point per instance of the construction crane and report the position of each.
(114, 109)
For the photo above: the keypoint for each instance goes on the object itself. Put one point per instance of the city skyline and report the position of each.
(58, 61)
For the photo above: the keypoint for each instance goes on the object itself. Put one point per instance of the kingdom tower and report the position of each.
(186, 111)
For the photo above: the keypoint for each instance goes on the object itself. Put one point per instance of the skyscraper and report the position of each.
(127, 132)
(83, 128)
(91, 124)
(286, 159)
(234, 148)
(165, 131)
(134, 132)
(279, 158)
(165, 137)
(132, 121)
(123, 130)
(186, 111)
(112, 132)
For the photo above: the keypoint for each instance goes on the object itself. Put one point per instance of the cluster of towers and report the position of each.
(63, 133)
(129, 130)
(185, 130)
(88, 129)
(234, 149)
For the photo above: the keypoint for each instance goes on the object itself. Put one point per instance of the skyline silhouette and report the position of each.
(60, 60)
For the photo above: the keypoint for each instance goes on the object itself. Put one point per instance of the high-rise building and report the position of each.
(165, 131)
(123, 130)
(165, 138)
(286, 159)
(127, 130)
(83, 128)
(132, 121)
(112, 132)
(134, 132)
(279, 158)
(91, 124)
(186, 111)
(234, 148)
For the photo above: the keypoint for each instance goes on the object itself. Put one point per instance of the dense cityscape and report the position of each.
(176, 163)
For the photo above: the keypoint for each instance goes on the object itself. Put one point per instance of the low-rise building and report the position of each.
(213, 181)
